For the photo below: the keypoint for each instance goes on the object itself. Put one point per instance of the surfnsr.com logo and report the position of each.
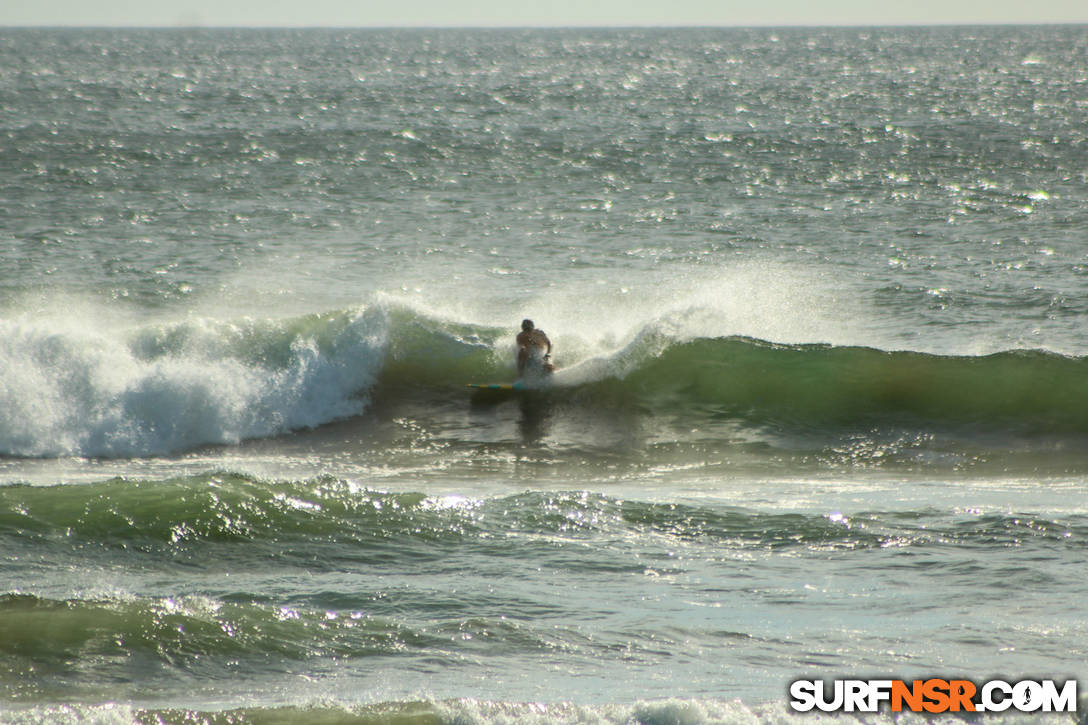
(933, 696)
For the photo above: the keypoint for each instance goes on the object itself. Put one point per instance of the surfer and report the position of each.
(535, 347)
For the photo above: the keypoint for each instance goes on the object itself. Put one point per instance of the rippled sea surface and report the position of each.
(817, 299)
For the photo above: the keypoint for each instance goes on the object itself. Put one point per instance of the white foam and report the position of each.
(690, 711)
(70, 388)
(470, 711)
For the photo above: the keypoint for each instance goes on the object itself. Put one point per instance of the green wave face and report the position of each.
(814, 385)
(761, 382)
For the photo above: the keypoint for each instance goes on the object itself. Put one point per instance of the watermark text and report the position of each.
(933, 695)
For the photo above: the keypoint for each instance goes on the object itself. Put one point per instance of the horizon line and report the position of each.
(636, 26)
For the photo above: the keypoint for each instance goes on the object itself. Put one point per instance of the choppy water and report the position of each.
(817, 298)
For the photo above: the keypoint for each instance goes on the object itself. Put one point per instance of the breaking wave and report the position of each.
(169, 387)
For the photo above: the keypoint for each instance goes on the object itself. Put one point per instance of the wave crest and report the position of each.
(169, 387)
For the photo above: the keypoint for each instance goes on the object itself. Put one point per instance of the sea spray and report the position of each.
(166, 387)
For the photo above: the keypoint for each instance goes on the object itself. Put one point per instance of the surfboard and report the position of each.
(497, 386)
(535, 378)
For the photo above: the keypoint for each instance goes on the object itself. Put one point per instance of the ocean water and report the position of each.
(818, 300)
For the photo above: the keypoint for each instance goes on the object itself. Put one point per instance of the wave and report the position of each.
(174, 630)
(821, 385)
(160, 388)
(376, 566)
(312, 520)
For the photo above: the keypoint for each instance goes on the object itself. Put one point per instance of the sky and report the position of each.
(490, 13)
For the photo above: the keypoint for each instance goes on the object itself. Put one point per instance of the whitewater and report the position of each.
(817, 299)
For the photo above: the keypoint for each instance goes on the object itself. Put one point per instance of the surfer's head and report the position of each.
(526, 325)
